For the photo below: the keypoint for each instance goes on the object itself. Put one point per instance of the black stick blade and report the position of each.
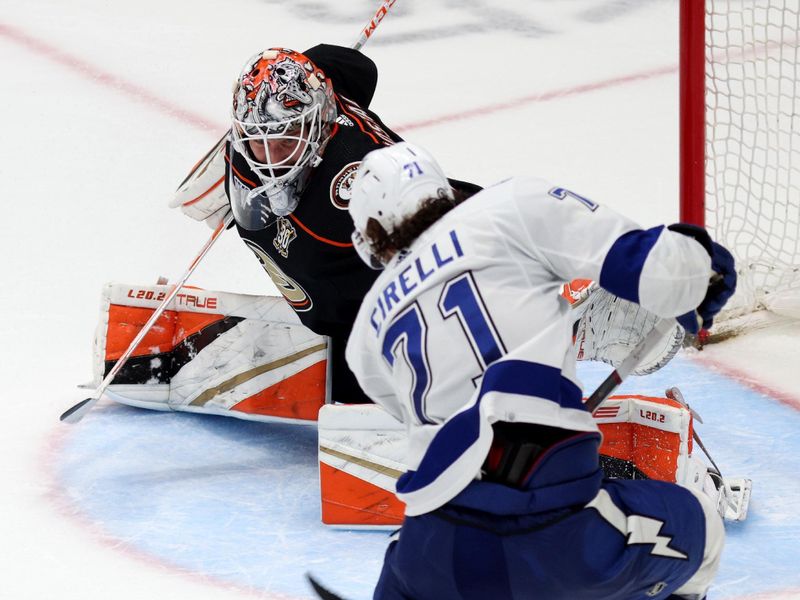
(321, 590)
(77, 412)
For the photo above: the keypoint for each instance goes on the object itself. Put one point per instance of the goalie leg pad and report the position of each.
(653, 438)
(361, 453)
(645, 438)
(214, 353)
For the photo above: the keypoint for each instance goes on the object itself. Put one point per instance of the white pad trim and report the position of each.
(364, 441)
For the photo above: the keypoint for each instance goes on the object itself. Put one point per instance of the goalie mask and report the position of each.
(391, 185)
(283, 114)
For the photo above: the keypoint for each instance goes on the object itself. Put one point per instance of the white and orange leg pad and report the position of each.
(217, 353)
(361, 451)
(653, 438)
(645, 438)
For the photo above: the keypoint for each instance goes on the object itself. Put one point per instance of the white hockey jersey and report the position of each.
(468, 327)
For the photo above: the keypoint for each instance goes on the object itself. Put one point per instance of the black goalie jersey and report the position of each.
(308, 254)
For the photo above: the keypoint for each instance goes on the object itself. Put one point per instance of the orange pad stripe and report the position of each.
(570, 291)
(348, 500)
(297, 397)
(652, 451)
(172, 327)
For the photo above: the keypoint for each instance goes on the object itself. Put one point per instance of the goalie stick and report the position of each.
(77, 412)
(614, 380)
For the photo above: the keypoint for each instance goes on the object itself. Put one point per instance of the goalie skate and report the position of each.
(731, 493)
(734, 497)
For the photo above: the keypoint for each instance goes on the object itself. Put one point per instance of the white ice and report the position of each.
(106, 105)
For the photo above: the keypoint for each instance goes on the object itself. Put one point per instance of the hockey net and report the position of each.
(740, 64)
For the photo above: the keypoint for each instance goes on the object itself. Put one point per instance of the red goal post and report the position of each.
(740, 140)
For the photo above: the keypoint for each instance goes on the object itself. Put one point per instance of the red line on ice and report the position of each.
(787, 594)
(106, 78)
(751, 382)
(540, 97)
(51, 454)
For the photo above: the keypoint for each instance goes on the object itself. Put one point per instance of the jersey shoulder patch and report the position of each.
(342, 185)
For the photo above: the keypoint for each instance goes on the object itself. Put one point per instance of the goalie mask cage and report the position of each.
(740, 141)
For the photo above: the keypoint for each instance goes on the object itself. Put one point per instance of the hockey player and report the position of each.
(300, 129)
(301, 126)
(465, 339)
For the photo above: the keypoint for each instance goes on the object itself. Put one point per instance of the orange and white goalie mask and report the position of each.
(212, 353)
(283, 115)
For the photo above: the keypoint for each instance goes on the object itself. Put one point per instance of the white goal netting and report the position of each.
(753, 147)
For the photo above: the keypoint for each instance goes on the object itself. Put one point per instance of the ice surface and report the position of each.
(104, 108)
(238, 501)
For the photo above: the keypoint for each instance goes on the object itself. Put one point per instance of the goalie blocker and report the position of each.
(213, 352)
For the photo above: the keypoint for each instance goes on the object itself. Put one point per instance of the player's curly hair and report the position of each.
(384, 245)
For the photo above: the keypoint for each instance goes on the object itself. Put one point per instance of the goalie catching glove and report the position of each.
(608, 328)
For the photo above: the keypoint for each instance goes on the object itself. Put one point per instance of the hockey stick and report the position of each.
(367, 32)
(629, 363)
(321, 591)
(645, 345)
(77, 412)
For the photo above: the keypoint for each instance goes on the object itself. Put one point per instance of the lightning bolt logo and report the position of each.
(644, 530)
(637, 528)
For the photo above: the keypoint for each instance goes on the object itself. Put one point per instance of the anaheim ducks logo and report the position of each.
(291, 290)
(342, 186)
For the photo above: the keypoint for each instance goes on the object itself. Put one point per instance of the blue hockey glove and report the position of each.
(722, 284)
